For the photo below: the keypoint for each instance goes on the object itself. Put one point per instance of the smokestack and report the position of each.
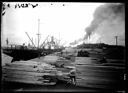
(89, 38)
(116, 40)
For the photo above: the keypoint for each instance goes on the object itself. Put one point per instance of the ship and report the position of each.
(23, 52)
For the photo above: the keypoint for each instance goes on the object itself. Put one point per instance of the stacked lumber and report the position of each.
(29, 72)
(47, 59)
(83, 60)
(98, 76)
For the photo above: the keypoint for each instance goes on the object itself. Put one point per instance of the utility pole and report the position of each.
(116, 37)
(7, 42)
(59, 39)
(38, 31)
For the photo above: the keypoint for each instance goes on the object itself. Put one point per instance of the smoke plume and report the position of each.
(111, 14)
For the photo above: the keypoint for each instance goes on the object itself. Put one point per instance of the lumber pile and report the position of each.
(29, 72)
(83, 60)
(47, 59)
(99, 76)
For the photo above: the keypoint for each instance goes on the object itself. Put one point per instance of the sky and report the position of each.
(67, 23)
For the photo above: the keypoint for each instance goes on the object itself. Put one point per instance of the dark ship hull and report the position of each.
(25, 54)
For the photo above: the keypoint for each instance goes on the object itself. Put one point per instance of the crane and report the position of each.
(44, 41)
(30, 39)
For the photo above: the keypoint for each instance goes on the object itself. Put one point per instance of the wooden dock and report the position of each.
(98, 75)
(88, 73)
(29, 72)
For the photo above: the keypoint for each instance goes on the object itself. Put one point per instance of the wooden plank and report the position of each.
(96, 79)
(101, 67)
(90, 85)
(46, 59)
(21, 68)
(94, 82)
(98, 74)
(29, 81)
(27, 68)
(25, 77)
(29, 74)
(100, 77)
(97, 69)
(23, 63)
(26, 72)
(26, 62)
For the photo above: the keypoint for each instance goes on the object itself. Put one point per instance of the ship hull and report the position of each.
(23, 54)
(27, 54)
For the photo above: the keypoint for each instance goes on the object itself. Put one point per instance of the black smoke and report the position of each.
(109, 13)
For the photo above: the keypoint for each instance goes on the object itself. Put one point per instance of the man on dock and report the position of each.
(103, 60)
(72, 76)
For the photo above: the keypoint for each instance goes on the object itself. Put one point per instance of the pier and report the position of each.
(90, 75)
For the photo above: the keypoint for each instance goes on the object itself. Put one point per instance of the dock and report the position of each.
(89, 74)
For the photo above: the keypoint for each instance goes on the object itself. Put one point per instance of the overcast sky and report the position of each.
(66, 22)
